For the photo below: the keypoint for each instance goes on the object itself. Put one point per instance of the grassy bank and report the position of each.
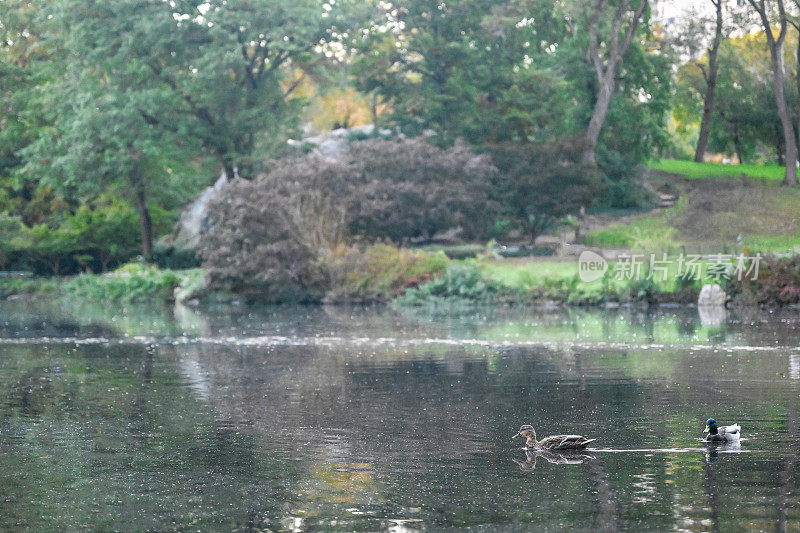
(133, 282)
(713, 215)
(430, 279)
(692, 170)
(491, 280)
(408, 278)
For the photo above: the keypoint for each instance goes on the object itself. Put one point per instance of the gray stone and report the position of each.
(711, 295)
(194, 219)
(712, 316)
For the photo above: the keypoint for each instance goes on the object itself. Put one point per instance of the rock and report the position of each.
(194, 219)
(332, 148)
(333, 145)
(712, 316)
(711, 295)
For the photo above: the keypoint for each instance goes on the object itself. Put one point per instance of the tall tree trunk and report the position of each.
(790, 141)
(373, 109)
(737, 145)
(797, 85)
(606, 71)
(776, 51)
(145, 223)
(711, 86)
(606, 91)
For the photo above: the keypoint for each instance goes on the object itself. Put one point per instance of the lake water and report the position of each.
(348, 419)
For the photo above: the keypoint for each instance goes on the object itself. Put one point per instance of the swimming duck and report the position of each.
(722, 433)
(555, 442)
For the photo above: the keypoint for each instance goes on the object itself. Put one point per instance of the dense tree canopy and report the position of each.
(141, 103)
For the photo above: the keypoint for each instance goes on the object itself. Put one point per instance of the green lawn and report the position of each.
(714, 214)
(692, 170)
(527, 275)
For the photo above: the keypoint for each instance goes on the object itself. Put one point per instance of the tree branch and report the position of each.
(633, 27)
(594, 52)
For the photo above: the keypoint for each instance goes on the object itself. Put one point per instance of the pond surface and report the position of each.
(372, 419)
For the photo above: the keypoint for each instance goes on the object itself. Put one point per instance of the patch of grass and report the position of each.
(485, 280)
(28, 286)
(651, 232)
(132, 282)
(692, 170)
(771, 243)
(713, 215)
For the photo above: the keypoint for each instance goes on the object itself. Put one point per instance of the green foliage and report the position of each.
(461, 281)
(132, 282)
(539, 184)
(135, 98)
(457, 251)
(381, 272)
(466, 69)
(175, 258)
(11, 286)
(93, 238)
(745, 120)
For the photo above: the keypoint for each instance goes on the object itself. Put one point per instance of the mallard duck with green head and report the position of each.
(554, 442)
(717, 433)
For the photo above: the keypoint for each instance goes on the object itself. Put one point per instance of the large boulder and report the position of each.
(194, 219)
(711, 295)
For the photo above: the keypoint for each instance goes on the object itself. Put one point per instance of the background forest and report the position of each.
(490, 120)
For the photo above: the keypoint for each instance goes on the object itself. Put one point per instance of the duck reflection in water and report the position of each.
(556, 458)
(713, 449)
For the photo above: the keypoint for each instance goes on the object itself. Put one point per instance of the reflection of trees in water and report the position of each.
(401, 413)
(787, 481)
(711, 490)
(315, 430)
(106, 438)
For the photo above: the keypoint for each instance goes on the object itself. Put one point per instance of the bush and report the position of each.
(173, 257)
(27, 286)
(457, 251)
(459, 282)
(268, 238)
(409, 189)
(777, 285)
(93, 238)
(277, 237)
(381, 273)
(133, 282)
(539, 184)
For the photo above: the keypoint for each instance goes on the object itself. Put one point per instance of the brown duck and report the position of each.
(554, 442)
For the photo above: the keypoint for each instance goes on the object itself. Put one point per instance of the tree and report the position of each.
(607, 61)
(744, 111)
(710, 77)
(144, 90)
(540, 184)
(776, 46)
(475, 69)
